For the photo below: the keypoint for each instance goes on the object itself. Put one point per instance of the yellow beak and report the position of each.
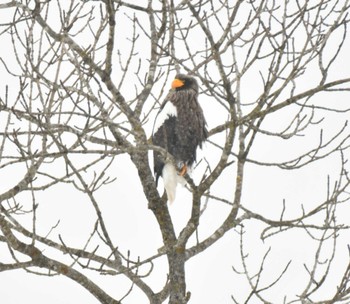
(177, 83)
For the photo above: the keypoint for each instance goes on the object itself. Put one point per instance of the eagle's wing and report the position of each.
(166, 110)
(164, 133)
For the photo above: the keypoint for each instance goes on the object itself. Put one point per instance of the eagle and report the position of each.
(179, 128)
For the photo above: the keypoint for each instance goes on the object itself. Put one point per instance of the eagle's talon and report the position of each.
(183, 170)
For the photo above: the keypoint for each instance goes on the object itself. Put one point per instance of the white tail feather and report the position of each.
(171, 179)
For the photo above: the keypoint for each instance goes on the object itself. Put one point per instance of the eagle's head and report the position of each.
(184, 82)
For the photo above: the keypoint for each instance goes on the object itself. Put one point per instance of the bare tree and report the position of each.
(81, 83)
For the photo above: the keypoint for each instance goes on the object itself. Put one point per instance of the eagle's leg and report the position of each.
(183, 170)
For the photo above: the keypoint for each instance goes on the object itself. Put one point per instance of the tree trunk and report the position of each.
(177, 279)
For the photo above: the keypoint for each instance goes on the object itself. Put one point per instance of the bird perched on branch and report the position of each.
(179, 128)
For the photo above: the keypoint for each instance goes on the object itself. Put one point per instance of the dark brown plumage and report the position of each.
(180, 128)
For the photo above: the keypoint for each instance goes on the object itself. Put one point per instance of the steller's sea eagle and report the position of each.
(179, 128)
